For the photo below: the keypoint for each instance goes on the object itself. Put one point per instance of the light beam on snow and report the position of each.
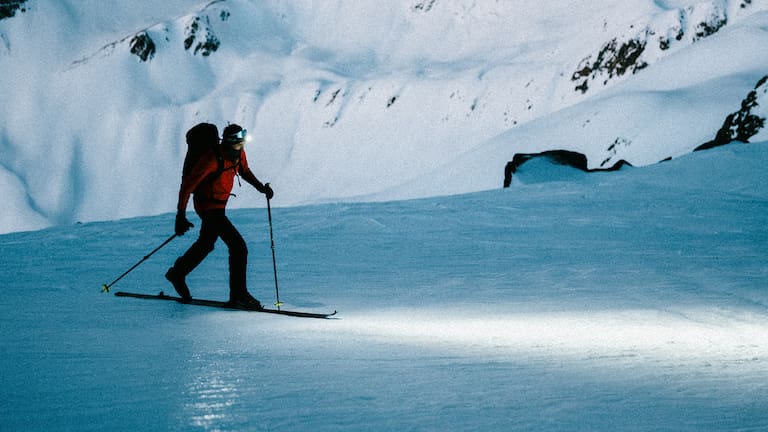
(632, 336)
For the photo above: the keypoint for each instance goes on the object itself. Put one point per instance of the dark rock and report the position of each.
(200, 35)
(614, 60)
(558, 157)
(8, 8)
(745, 123)
(143, 46)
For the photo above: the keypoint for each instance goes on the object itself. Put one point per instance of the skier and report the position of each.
(211, 183)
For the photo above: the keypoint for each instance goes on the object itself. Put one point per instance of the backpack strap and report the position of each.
(220, 165)
(219, 161)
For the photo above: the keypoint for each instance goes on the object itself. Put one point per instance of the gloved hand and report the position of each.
(268, 191)
(182, 224)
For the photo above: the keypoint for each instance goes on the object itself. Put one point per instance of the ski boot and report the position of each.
(244, 300)
(179, 284)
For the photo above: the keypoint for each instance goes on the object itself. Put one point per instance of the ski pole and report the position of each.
(274, 263)
(105, 288)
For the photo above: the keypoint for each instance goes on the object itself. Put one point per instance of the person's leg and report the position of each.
(238, 263)
(209, 232)
(238, 257)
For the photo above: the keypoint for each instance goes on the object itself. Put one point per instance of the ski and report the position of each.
(225, 305)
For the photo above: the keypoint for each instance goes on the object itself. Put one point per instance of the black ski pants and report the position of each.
(215, 224)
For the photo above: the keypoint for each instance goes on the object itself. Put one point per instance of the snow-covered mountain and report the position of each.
(351, 100)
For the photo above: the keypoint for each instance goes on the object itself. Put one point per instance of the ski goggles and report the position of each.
(237, 137)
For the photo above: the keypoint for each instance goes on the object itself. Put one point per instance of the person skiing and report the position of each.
(210, 181)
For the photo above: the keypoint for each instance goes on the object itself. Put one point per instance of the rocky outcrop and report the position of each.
(738, 126)
(637, 49)
(614, 60)
(200, 37)
(745, 123)
(558, 157)
(143, 46)
(8, 8)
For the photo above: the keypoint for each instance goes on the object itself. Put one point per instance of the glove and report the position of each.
(268, 191)
(182, 224)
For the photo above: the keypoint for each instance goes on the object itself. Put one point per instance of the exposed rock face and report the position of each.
(746, 122)
(8, 8)
(558, 157)
(200, 37)
(637, 49)
(614, 60)
(143, 46)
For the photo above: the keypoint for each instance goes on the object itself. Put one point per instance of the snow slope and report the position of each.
(351, 100)
(631, 300)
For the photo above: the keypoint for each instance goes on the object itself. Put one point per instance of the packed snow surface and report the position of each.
(631, 300)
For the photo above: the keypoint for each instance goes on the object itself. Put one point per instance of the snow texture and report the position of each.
(628, 300)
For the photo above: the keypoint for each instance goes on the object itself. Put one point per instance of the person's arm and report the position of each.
(202, 169)
(248, 176)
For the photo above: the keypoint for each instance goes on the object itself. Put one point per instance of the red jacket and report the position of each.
(212, 191)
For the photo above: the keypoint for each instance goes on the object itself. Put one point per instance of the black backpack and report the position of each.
(200, 139)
